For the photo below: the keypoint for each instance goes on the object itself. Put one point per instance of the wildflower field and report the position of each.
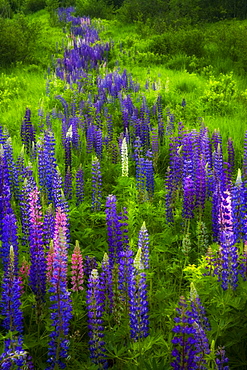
(123, 223)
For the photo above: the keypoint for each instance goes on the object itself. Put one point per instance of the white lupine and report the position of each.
(124, 156)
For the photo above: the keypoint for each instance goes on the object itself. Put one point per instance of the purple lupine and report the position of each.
(169, 196)
(188, 198)
(15, 355)
(95, 321)
(222, 360)
(239, 209)
(200, 186)
(28, 133)
(96, 185)
(38, 267)
(24, 208)
(61, 307)
(138, 303)
(189, 341)
(125, 267)
(149, 173)
(245, 157)
(9, 237)
(48, 226)
(11, 167)
(11, 294)
(90, 263)
(143, 243)
(114, 231)
(79, 179)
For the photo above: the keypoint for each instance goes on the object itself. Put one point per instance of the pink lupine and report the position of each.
(49, 262)
(24, 274)
(77, 269)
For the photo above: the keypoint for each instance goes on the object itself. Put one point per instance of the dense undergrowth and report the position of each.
(184, 108)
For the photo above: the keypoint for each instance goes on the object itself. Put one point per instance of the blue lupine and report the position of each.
(28, 133)
(188, 198)
(96, 185)
(11, 294)
(190, 341)
(15, 355)
(114, 231)
(138, 303)
(239, 209)
(95, 321)
(222, 360)
(9, 237)
(37, 254)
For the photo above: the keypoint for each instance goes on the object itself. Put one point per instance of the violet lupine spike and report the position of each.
(138, 303)
(149, 174)
(61, 308)
(77, 269)
(67, 150)
(114, 231)
(10, 300)
(14, 355)
(96, 185)
(79, 179)
(200, 186)
(143, 243)
(239, 208)
(125, 267)
(169, 196)
(37, 254)
(188, 198)
(11, 167)
(9, 237)
(95, 321)
(190, 341)
(48, 226)
(28, 132)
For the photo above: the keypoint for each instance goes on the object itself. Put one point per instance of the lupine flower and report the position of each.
(59, 296)
(14, 355)
(24, 274)
(96, 185)
(38, 267)
(11, 294)
(143, 243)
(114, 231)
(139, 322)
(77, 269)
(68, 185)
(222, 360)
(124, 156)
(187, 338)
(95, 322)
(79, 178)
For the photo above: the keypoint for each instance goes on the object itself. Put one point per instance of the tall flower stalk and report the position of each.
(61, 307)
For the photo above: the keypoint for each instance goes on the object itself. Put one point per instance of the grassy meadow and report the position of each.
(178, 98)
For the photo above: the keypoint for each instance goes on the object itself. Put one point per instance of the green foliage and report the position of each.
(95, 8)
(10, 88)
(220, 94)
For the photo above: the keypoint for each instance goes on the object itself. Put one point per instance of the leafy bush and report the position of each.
(18, 40)
(94, 8)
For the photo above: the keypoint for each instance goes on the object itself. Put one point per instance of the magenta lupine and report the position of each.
(95, 322)
(24, 274)
(61, 307)
(77, 273)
